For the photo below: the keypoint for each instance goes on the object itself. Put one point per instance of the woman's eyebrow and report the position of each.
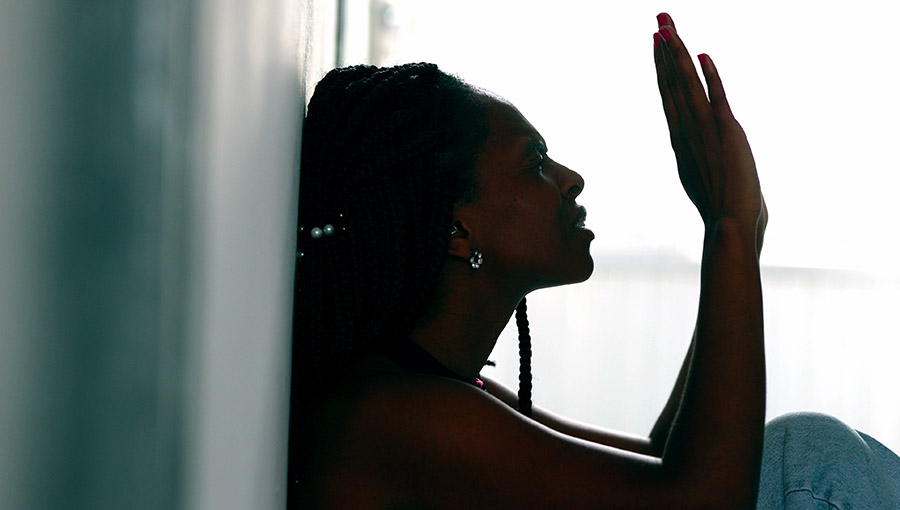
(533, 151)
(535, 146)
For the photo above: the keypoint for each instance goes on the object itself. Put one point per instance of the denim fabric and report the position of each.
(814, 461)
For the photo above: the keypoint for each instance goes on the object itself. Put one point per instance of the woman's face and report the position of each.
(526, 221)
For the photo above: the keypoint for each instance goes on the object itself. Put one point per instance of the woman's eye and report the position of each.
(539, 163)
(538, 158)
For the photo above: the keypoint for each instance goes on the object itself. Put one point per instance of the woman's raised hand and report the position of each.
(715, 163)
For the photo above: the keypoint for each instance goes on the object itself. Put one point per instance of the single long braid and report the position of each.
(524, 358)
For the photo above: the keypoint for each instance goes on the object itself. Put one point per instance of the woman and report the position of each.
(428, 210)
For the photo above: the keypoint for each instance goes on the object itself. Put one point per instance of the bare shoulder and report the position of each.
(408, 440)
(592, 433)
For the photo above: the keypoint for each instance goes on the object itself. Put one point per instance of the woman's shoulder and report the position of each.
(356, 432)
(384, 437)
(374, 393)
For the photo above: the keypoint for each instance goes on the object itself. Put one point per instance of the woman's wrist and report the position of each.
(733, 227)
(736, 233)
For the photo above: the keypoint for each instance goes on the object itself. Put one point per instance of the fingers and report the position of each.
(715, 164)
(665, 92)
(682, 76)
(688, 92)
(664, 19)
(717, 99)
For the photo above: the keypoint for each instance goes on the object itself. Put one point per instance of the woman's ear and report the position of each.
(459, 241)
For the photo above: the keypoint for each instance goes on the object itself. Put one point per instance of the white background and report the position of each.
(814, 86)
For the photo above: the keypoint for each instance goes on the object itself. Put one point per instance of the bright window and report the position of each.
(814, 88)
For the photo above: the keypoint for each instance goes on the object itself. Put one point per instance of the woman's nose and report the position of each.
(571, 182)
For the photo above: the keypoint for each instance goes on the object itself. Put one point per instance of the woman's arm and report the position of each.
(592, 433)
(660, 432)
(723, 403)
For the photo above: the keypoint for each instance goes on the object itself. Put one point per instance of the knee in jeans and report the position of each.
(808, 424)
(805, 420)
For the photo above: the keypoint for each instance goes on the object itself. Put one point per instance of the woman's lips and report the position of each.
(579, 222)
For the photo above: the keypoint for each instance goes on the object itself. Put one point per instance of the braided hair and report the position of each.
(386, 153)
(524, 397)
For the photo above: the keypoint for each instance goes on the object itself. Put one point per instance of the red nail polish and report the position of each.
(703, 58)
(656, 40)
(661, 19)
(664, 32)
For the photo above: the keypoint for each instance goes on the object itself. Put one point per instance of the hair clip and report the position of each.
(307, 242)
(327, 230)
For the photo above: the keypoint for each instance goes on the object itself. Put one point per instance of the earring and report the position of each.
(476, 259)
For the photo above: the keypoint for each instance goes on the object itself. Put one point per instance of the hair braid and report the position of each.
(524, 359)
(392, 150)
(386, 153)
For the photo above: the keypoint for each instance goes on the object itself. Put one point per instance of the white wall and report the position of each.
(249, 104)
(147, 210)
(91, 96)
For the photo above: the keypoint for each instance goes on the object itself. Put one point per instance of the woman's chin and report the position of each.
(589, 270)
(575, 273)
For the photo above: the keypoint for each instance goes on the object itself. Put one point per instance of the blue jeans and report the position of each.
(814, 461)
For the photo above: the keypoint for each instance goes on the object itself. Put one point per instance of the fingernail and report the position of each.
(703, 58)
(664, 32)
(661, 19)
(656, 40)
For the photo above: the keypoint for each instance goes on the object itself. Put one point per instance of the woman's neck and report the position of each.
(462, 334)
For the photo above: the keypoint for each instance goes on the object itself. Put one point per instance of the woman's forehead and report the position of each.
(510, 145)
(509, 129)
